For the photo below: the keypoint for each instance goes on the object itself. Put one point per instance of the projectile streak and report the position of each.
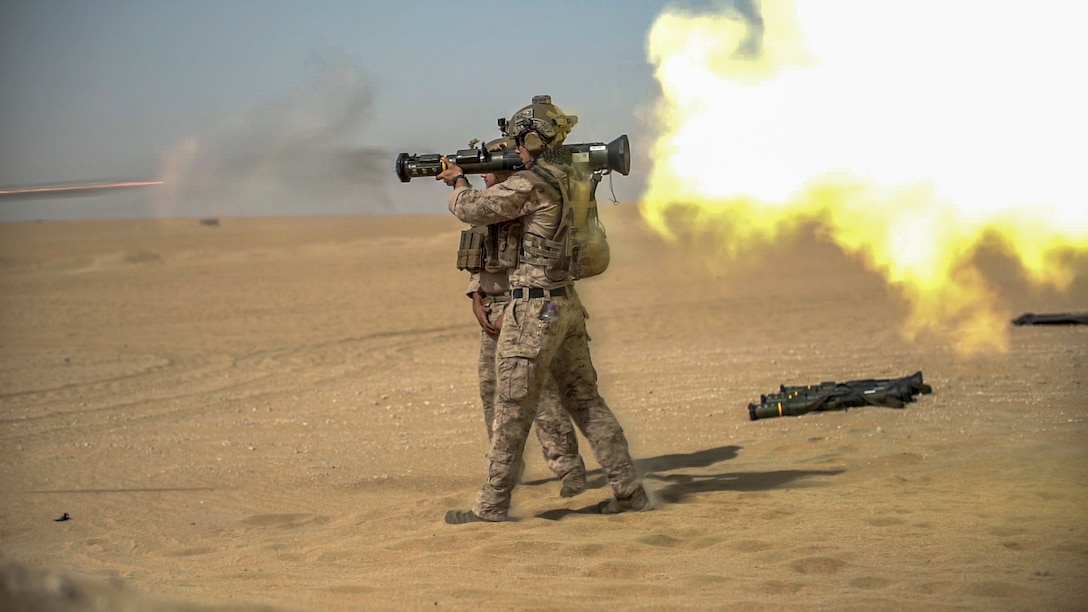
(75, 190)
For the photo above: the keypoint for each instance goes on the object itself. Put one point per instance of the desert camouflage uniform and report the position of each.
(553, 428)
(528, 348)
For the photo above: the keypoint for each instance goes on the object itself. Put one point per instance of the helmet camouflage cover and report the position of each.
(541, 117)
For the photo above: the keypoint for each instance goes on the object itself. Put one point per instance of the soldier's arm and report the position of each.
(503, 202)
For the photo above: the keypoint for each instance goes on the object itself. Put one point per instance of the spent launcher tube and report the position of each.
(596, 156)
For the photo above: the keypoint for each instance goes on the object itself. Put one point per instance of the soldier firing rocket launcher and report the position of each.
(597, 157)
(798, 400)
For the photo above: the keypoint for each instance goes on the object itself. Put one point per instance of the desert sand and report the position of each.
(275, 414)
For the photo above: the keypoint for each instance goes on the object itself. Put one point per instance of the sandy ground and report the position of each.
(275, 414)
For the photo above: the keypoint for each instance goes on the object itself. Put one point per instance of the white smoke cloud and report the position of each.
(296, 155)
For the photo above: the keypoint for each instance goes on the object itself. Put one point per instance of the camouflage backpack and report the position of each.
(581, 238)
(590, 254)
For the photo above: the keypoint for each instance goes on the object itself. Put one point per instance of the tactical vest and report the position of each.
(580, 246)
(579, 249)
(552, 253)
(503, 246)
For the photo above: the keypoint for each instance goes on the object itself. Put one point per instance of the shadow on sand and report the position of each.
(681, 486)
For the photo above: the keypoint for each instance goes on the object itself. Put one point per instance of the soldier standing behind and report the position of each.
(489, 288)
(543, 326)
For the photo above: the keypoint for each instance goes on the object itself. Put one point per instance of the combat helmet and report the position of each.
(538, 126)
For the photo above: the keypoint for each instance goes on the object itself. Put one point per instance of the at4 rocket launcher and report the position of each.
(597, 157)
(826, 396)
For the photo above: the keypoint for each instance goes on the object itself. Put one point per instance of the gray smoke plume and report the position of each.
(294, 156)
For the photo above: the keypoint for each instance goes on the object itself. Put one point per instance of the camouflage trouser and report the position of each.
(528, 350)
(553, 427)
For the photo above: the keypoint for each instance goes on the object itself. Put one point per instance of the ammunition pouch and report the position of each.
(488, 249)
(507, 239)
(470, 253)
(539, 251)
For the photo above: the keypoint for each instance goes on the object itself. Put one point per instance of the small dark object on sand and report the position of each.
(1064, 318)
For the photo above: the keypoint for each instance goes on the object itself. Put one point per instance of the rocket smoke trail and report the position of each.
(276, 159)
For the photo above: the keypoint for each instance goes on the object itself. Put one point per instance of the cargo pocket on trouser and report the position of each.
(522, 331)
(515, 375)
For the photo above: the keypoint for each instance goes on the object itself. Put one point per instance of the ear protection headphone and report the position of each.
(532, 142)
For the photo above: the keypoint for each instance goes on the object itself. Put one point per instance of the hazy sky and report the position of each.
(135, 89)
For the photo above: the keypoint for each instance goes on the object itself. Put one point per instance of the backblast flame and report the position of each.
(911, 134)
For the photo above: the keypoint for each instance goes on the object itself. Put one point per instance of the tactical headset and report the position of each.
(532, 140)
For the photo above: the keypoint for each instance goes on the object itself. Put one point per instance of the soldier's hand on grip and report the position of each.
(451, 172)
